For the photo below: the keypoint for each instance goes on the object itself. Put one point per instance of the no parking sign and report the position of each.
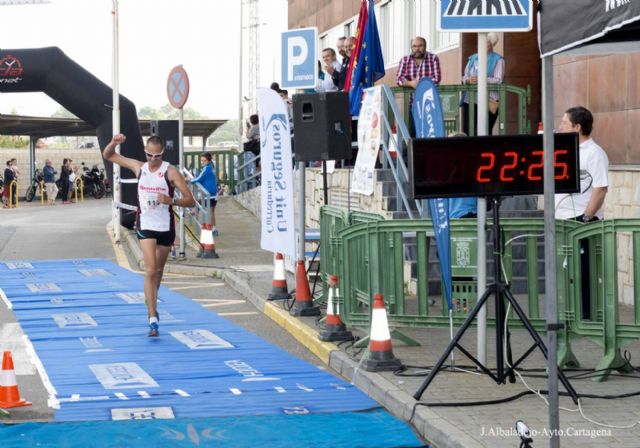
(178, 87)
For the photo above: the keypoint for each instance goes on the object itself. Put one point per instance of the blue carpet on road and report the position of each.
(87, 322)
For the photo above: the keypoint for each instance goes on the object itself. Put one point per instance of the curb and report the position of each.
(399, 403)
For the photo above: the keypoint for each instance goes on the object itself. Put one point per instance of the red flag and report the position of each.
(362, 23)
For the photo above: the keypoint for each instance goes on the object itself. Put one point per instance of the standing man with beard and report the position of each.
(417, 65)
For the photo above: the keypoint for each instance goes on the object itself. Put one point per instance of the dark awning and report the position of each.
(568, 24)
(41, 127)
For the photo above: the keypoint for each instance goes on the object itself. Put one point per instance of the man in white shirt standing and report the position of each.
(587, 205)
(594, 167)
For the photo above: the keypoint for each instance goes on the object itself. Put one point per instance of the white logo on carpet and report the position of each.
(74, 320)
(200, 339)
(123, 375)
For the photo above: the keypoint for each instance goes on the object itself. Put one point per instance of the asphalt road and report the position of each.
(79, 231)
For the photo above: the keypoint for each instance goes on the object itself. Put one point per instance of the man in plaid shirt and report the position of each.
(417, 65)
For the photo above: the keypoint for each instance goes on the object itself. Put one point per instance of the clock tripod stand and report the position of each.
(500, 290)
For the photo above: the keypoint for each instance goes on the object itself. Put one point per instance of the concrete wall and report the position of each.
(89, 156)
(609, 86)
(338, 184)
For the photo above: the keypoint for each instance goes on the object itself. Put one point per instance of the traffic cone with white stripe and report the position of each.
(208, 244)
(380, 352)
(279, 289)
(334, 328)
(303, 305)
(9, 393)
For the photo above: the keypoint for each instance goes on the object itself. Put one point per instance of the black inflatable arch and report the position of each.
(52, 72)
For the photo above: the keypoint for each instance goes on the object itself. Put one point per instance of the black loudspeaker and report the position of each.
(322, 126)
(169, 132)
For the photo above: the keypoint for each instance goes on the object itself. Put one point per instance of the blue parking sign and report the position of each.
(299, 58)
(478, 16)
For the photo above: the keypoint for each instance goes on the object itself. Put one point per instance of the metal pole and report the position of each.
(482, 202)
(240, 123)
(181, 251)
(32, 157)
(117, 192)
(301, 194)
(550, 284)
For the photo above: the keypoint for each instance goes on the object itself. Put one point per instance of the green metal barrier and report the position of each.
(605, 327)
(450, 95)
(371, 259)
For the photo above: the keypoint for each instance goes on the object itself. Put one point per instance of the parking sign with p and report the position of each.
(299, 56)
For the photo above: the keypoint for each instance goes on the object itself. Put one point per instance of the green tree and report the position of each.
(168, 112)
(62, 113)
(13, 141)
(228, 132)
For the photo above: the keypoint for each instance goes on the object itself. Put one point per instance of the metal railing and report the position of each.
(224, 162)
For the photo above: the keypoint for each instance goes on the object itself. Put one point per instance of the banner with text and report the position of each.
(277, 197)
(369, 129)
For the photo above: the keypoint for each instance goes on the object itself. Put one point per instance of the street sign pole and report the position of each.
(482, 202)
(178, 92)
(117, 191)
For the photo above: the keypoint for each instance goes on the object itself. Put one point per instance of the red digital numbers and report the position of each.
(562, 166)
(531, 174)
(513, 166)
(508, 166)
(487, 165)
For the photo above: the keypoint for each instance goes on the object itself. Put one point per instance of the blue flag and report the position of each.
(429, 122)
(370, 65)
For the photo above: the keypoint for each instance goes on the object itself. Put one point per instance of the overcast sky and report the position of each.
(155, 35)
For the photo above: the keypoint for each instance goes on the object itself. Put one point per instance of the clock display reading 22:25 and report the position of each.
(491, 165)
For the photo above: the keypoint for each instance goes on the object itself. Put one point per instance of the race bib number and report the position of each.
(149, 201)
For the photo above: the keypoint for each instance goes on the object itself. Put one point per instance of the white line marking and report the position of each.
(304, 388)
(280, 389)
(235, 391)
(182, 393)
(178, 288)
(121, 396)
(5, 299)
(144, 394)
(239, 313)
(75, 397)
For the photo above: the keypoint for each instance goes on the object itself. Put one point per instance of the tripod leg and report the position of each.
(512, 376)
(543, 348)
(453, 343)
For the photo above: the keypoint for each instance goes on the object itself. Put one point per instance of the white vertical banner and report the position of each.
(369, 125)
(277, 195)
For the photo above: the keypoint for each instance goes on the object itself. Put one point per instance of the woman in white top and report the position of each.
(156, 232)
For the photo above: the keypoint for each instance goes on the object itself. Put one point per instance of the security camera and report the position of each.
(525, 435)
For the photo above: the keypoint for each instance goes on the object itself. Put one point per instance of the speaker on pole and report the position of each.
(322, 126)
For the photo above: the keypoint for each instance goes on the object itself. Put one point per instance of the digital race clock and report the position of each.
(504, 165)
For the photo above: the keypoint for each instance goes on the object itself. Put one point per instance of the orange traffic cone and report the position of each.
(279, 289)
(206, 241)
(334, 328)
(380, 352)
(9, 394)
(303, 305)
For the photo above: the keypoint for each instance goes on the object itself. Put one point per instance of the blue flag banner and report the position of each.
(428, 119)
(370, 66)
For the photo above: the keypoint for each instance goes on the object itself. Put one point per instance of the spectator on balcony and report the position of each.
(340, 77)
(251, 150)
(417, 65)
(207, 178)
(330, 65)
(495, 75)
(340, 47)
(587, 205)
